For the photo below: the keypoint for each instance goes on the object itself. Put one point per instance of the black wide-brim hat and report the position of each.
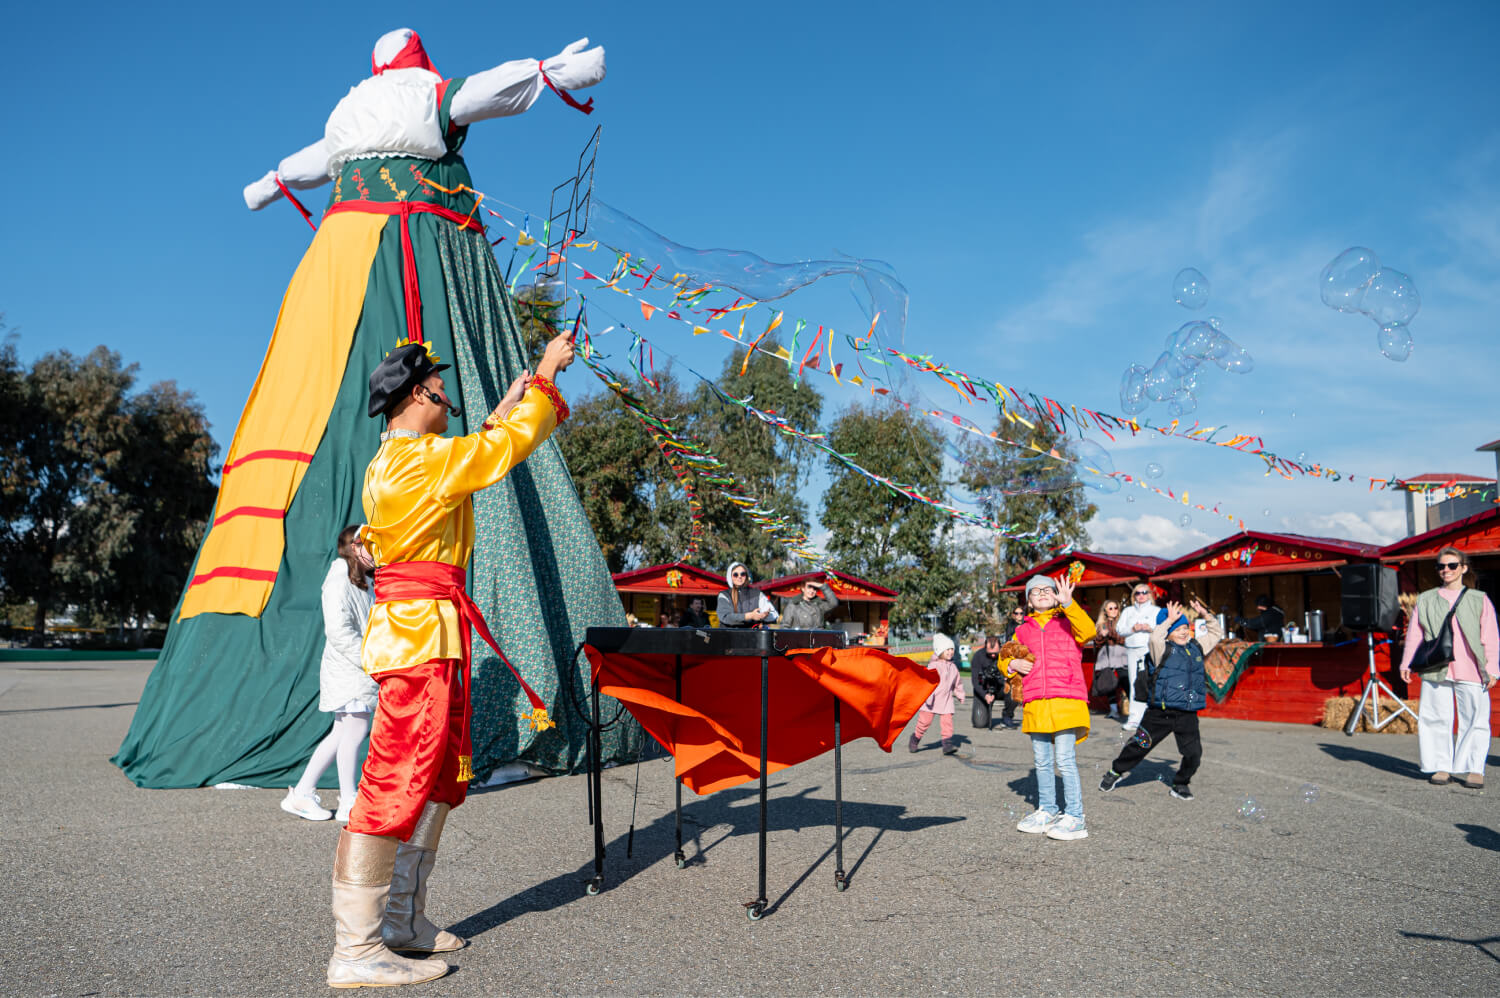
(392, 379)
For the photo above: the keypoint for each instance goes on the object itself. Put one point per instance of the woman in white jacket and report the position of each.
(346, 692)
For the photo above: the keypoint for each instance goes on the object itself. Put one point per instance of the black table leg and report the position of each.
(681, 859)
(839, 883)
(596, 779)
(757, 908)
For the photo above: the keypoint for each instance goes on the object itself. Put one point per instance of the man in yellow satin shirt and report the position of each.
(420, 531)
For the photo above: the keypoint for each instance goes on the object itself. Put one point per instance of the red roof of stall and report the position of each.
(1477, 534)
(1439, 478)
(844, 586)
(1099, 569)
(1254, 552)
(676, 577)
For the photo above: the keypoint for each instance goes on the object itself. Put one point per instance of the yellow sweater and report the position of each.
(417, 504)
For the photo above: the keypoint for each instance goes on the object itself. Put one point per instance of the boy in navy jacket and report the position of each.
(1179, 691)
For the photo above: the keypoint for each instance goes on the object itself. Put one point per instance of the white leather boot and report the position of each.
(406, 926)
(362, 869)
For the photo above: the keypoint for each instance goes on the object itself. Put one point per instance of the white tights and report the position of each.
(342, 742)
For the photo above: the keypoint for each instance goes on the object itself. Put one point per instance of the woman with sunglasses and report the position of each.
(1135, 625)
(1462, 683)
(742, 605)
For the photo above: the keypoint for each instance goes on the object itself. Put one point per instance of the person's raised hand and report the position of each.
(556, 357)
(513, 395)
(1064, 591)
(1174, 611)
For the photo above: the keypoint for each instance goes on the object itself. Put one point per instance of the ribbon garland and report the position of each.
(971, 388)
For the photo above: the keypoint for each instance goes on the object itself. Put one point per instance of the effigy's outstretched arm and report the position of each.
(512, 87)
(302, 170)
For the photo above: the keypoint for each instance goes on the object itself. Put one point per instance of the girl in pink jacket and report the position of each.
(1055, 698)
(950, 685)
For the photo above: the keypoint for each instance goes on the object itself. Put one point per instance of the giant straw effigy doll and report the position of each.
(399, 255)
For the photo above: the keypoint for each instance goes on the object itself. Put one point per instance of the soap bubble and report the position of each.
(1236, 360)
(1395, 342)
(1265, 512)
(1133, 390)
(1302, 457)
(1343, 283)
(1153, 470)
(1142, 737)
(1130, 498)
(1184, 520)
(1095, 466)
(1391, 299)
(1190, 288)
(1250, 810)
(1161, 380)
(1309, 793)
(1182, 403)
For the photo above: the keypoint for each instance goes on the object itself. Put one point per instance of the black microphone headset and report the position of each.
(433, 396)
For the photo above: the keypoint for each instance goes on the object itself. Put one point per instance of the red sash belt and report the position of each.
(436, 580)
(408, 259)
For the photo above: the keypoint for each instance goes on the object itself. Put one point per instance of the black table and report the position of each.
(729, 646)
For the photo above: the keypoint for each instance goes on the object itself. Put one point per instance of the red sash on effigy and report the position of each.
(413, 295)
(437, 580)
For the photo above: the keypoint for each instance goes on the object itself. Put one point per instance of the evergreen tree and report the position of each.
(767, 464)
(1028, 491)
(879, 534)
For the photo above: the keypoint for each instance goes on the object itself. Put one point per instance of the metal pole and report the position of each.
(597, 779)
(838, 800)
(681, 859)
(765, 709)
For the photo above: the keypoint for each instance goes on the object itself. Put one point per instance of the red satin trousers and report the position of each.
(419, 748)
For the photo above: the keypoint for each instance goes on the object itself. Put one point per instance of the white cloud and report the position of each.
(1147, 534)
(1377, 526)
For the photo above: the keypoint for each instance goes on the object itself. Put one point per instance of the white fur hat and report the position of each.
(941, 643)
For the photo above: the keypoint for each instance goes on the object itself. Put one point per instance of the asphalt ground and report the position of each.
(1381, 885)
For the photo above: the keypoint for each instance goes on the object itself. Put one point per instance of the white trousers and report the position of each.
(1441, 751)
(1135, 659)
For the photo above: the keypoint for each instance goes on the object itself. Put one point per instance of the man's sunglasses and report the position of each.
(1450, 565)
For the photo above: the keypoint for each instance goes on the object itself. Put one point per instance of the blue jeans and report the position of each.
(1057, 749)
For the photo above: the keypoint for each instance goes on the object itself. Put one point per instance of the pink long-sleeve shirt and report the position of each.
(1465, 667)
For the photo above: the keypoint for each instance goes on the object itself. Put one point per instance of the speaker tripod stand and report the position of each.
(1374, 686)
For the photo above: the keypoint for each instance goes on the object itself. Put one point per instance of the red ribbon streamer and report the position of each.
(568, 99)
(306, 215)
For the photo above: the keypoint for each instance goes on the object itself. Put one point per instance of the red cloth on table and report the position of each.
(714, 731)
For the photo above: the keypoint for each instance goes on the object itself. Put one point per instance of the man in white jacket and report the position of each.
(1136, 623)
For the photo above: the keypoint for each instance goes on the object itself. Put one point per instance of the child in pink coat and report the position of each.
(950, 685)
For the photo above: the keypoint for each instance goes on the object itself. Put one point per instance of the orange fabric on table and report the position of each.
(714, 730)
(419, 745)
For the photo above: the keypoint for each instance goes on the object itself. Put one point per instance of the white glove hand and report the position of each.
(262, 192)
(576, 67)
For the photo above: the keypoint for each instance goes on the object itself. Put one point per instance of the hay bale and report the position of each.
(1336, 712)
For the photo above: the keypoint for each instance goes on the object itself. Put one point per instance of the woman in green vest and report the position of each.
(1460, 685)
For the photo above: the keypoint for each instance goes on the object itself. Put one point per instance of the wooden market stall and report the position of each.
(1277, 681)
(656, 589)
(864, 607)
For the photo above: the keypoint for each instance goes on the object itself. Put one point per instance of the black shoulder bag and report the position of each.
(1436, 651)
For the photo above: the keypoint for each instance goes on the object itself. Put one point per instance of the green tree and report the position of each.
(629, 492)
(769, 465)
(103, 495)
(880, 534)
(1032, 485)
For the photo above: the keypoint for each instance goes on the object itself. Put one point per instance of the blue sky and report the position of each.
(1035, 176)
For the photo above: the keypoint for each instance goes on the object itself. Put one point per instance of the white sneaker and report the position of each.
(345, 806)
(1067, 828)
(310, 808)
(1036, 822)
